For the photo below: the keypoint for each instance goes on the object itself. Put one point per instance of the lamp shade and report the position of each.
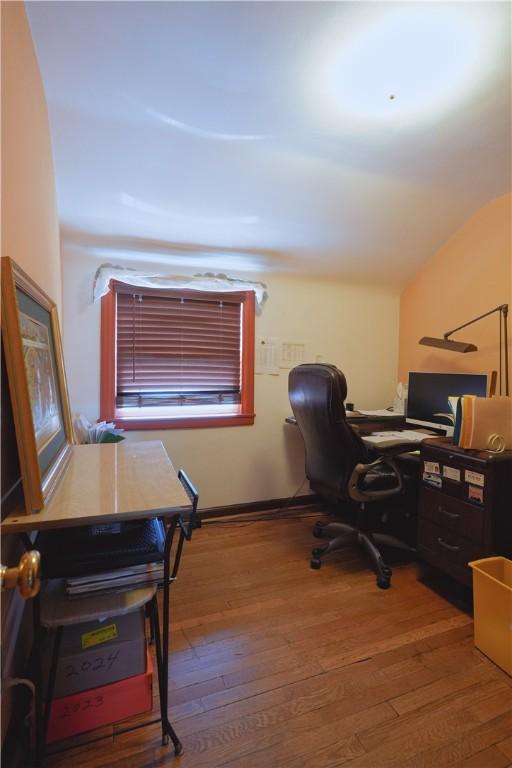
(453, 346)
(462, 346)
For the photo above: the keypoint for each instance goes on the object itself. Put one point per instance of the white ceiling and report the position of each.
(260, 136)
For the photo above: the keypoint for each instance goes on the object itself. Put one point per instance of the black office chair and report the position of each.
(342, 470)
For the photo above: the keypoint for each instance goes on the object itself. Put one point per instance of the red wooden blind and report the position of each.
(177, 348)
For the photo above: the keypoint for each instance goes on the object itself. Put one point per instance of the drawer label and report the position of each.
(434, 480)
(475, 493)
(98, 636)
(476, 478)
(432, 467)
(451, 473)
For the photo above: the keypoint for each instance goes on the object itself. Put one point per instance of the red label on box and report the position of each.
(101, 706)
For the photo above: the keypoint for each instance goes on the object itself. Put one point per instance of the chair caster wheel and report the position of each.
(318, 531)
(387, 571)
(383, 582)
(315, 563)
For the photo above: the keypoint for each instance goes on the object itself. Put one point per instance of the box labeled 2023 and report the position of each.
(102, 706)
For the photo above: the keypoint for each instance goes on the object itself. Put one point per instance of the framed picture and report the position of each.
(37, 384)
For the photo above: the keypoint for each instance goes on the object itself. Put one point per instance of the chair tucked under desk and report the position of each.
(355, 480)
(105, 484)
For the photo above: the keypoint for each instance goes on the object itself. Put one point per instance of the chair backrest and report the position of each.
(317, 393)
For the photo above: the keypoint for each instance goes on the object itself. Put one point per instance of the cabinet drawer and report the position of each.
(452, 515)
(448, 552)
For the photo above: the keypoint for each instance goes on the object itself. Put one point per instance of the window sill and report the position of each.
(188, 418)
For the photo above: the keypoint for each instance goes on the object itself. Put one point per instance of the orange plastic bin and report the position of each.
(492, 600)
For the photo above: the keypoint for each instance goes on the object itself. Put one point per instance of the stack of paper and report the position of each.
(123, 578)
(101, 432)
(466, 420)
(399, 436)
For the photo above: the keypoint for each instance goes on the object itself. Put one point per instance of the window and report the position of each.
(173, 358)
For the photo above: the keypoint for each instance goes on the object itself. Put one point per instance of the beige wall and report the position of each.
(30, 235)
(353, 326)
(30, 230)
(469, 275)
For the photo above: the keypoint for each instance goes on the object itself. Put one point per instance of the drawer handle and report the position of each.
(445, 544)
(451, 515)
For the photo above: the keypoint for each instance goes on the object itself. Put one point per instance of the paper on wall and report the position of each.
(267, 355)
(292, 353)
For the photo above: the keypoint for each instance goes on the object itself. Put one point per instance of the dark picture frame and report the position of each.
(37, 384)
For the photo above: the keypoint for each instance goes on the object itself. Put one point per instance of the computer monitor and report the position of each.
(429, 392)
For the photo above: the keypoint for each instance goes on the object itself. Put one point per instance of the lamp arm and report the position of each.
(505, 341)
(502, 308)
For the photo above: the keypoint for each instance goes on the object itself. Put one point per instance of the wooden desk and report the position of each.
(365, 425)
(107, 483)
(103, 484)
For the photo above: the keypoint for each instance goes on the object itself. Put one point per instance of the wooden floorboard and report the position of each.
(277, 666)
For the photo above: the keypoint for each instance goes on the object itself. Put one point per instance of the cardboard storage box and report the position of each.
(102, 706)
(96, 653)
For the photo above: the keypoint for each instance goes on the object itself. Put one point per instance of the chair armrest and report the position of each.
(361, 470)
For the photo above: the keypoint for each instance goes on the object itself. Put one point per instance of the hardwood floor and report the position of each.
(278, 666)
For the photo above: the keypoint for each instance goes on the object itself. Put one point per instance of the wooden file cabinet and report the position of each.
(465, 506)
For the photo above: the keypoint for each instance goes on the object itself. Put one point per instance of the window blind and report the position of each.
(177, 349)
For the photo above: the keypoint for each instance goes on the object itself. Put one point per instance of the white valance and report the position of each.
(202, 282)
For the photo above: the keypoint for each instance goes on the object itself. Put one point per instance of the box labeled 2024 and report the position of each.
(96, 653)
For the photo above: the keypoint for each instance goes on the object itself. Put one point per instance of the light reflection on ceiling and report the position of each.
(266, 131)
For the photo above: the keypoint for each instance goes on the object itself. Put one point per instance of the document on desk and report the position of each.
(399, 436)
(381, 413)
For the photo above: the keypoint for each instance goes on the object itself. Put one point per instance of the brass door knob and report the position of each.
(26, 578)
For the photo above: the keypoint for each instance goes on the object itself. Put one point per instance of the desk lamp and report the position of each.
(463, 346)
